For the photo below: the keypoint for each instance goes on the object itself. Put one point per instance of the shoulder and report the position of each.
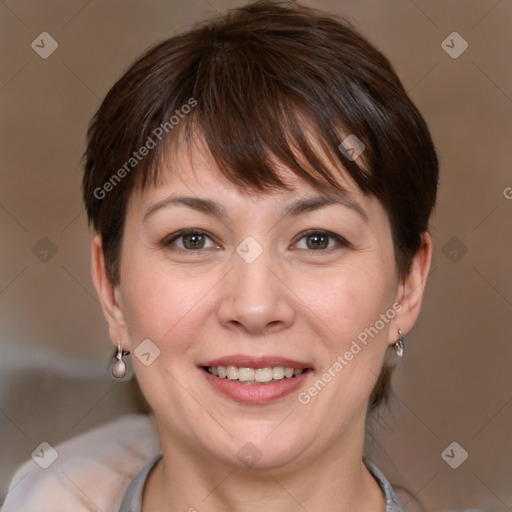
(392, 501)
(90, 471)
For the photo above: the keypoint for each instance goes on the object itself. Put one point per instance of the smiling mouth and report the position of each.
(255, 376)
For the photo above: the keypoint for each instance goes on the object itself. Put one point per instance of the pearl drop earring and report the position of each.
(118, 365)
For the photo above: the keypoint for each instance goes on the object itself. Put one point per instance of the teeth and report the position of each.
(288, 372)
(263, 375)
(278, 372)
(245, 374)
(232, 373)
(251, 375)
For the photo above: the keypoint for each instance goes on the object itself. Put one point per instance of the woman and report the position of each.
(260, 188)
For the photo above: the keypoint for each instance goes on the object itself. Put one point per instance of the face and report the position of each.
(212, 276)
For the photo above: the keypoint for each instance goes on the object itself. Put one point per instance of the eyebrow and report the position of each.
(308, 204)
(298, 207)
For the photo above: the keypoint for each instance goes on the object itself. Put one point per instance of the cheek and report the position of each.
(349, 310)
(157, 305)
(347, 302)
(170, 307)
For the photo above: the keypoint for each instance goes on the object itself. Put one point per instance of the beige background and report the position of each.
(454, 383)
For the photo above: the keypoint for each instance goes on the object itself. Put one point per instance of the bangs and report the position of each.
(254, 160)
(252, 111)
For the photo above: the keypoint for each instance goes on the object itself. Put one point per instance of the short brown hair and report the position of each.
(254, 80)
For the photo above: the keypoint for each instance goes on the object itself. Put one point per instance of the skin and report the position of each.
(295, 300)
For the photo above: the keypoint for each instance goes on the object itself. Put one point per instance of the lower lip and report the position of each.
(256, 393)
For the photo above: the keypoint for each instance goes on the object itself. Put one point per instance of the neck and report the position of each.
(333, 481)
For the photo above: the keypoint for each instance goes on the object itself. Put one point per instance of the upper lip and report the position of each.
(244, 361)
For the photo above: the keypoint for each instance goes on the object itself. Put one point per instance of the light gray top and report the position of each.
(132, 501)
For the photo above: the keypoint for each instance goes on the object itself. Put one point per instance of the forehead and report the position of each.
(190, 167)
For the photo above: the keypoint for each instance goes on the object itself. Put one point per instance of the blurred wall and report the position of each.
(454, 383)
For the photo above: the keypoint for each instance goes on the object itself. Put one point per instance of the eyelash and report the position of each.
(169, 240)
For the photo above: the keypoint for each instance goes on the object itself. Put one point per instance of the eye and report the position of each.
(321, 240)
(189, 240)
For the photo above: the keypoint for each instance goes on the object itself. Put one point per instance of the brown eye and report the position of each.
(321, 241)
(190, 240)
(194, 241)
(317, 241)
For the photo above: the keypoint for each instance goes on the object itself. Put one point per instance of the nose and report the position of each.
(255, 297)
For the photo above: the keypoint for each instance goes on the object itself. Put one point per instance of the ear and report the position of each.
(410, 291)
(109, 295)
